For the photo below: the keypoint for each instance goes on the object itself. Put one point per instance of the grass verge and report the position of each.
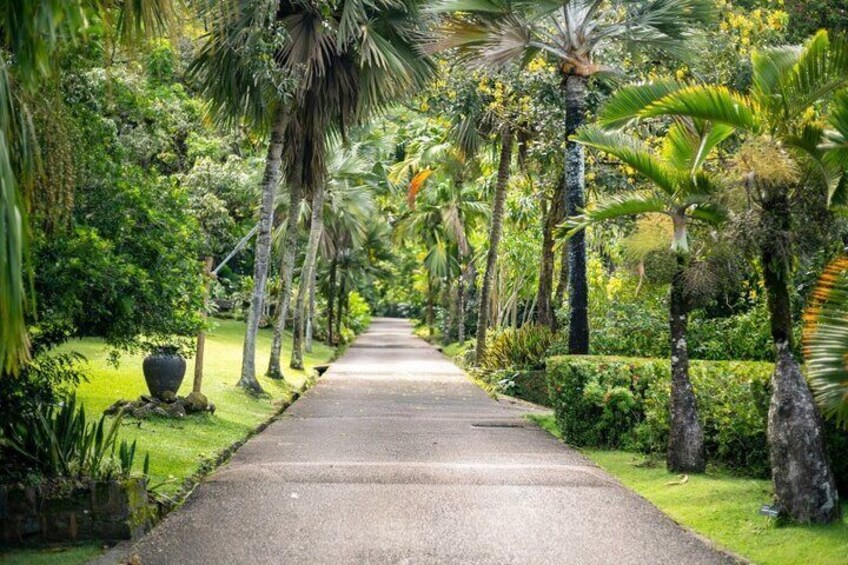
(723, 508)
(180, 448)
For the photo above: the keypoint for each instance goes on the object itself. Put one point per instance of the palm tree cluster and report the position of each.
(310, 76)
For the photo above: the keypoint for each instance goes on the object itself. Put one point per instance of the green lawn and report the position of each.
(724, 508)
(178, 447)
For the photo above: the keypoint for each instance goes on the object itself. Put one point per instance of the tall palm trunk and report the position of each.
(331, 300)
(803, 481)
(562, 280)
(686, 438)
(201, 336)
(544, 308)
(446, 310)
(300, 309)
(286, 275)
(431, 315)
(270, 180)
(495, 232)
(575, 109)
(310, 319)
(460, 309)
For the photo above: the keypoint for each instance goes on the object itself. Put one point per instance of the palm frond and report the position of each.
(628, 103)
(618, 206)
(826, 341)
(631, 152)
(716, 104)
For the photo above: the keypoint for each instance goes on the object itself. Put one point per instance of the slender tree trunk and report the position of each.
(300, 309)
(804, 485)
(201, 337)
(331, 299)
(340, 316)
(431, 316)
(310, 319)
(495, 233)
(275, 370)
(460, 310)
(544, 311)
(562, 280)
(446, 310)
(270, 180)
(578, 323)
(686, 438)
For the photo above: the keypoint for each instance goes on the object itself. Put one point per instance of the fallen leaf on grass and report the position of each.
(682, 481)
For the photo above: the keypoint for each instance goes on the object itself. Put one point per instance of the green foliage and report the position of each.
(615, 402)
(522, 348)
(358, 313)
(58, 442)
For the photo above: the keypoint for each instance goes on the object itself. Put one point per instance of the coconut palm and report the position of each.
(368, 54)
(785, 152)
(30, 34)
(306, 67)
(572, 33)
(683, 191)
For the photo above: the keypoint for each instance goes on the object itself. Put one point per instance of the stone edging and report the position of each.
(120, 552)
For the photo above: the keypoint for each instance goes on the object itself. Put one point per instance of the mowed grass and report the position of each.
(178, 447)
(723, 508)
(68, 555)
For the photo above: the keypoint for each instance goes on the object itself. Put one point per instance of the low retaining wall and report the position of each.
(103, 510)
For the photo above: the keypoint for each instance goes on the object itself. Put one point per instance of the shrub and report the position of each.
(615, 402)
(522, 348)
(57, 441)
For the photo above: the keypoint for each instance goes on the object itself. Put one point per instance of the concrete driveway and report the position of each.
(396, 457)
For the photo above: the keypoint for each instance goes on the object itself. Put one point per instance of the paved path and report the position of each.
(395, 457)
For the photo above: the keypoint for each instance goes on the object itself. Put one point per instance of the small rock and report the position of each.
(211, 408)
(196, 402)
(142, 411)
(161, 412)
(176, 410)
(169, 396)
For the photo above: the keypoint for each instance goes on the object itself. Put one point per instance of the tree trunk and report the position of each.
(562, 280)
(300, 309)
(430, 307)
(578, 323)
(275, 370)
(460, 310)
(331, 299)
(495, 232)
(804, 485)
(446, 310)
(686, 438)
(310, 319)
(201, 337)
(270, 180)
(544, 310)
(340, 315)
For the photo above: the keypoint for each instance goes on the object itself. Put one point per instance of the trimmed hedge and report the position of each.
(527, 385)
(617, 402)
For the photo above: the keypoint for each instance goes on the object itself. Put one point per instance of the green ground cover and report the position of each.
(723, 508)
(178, 447)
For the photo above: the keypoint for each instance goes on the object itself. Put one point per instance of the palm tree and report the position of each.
(30, 34)
(683, 191)
(306, 67)
(782, 141)
(366, 55)
(571, 32)
(288, 254)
